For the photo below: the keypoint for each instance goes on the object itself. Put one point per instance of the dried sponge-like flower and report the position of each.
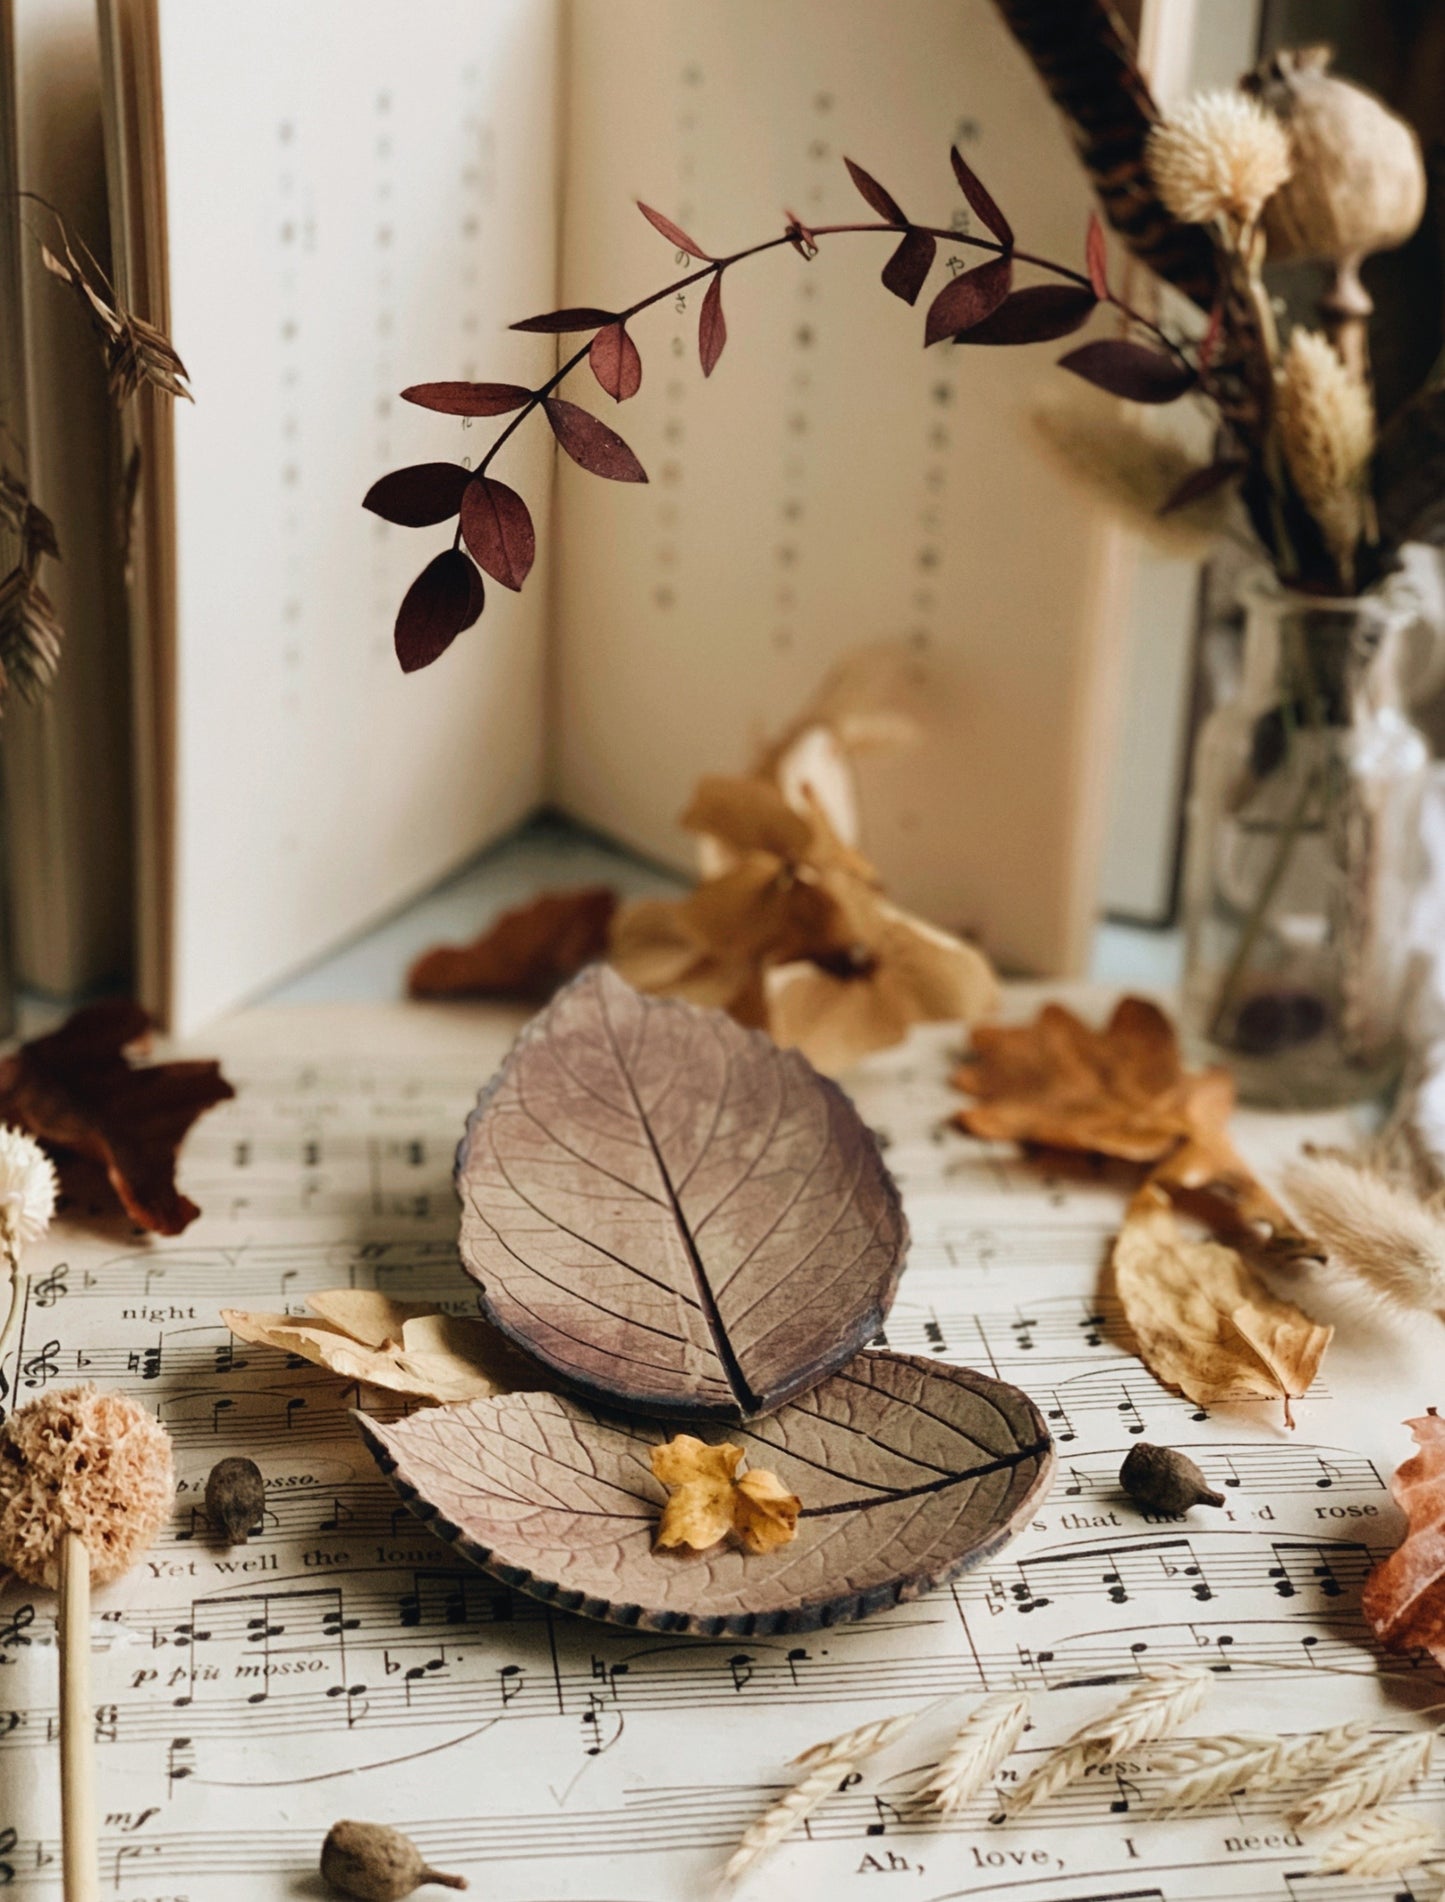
(87, 1462)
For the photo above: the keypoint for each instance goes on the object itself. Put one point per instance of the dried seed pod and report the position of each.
(235, 1498)
(1161, 1480)
(377, 1864)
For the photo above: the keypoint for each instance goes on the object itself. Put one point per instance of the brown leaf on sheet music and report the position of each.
(1404, 1597)
(590, 443)
(421, 496)
(527, 953)
(446, 598)
(77, 1091)
(468, 399)
(674, 233)
(1202, 1320)
(712, 329)
(966, 300)
(910, 1471)
(406, 1347)
(497, 529)
(616, 362)
(1122, 1091)
(656, 1203)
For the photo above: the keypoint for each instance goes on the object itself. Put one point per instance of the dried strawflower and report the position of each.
(708, 1501)
(826, 1767)
(235, 1498)
(1326, 423)
(28, 1188)
(1166, 1696)
(376, 1863)
(82, 1461)
(1162, 1480)
(989, 1735)
(1378, 1230)
(1218, 155)
(1384, 1844)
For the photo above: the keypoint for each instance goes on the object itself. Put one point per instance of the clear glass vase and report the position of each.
(1303, 853)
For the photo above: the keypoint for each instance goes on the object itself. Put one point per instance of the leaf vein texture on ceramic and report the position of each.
(909, 1472)
(670, 1211)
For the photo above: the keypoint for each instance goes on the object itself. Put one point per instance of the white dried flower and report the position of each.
(28, 1187)
(1218, 155)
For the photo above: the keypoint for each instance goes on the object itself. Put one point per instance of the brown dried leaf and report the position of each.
(446, 598)
(966, 300)
(1404, 1598)
(671, 1211)
(421, 496)
(78, 1093)
(708, 1502)
(616, 362)
(1037, 314)
(1122, 1091)
(497, 528)
(911, 1471)
(468, 399)
(590, 443)
(1135, 371)
(406, 1347)
(980, 199)
(712, 329)
(906, 272)
(527, 953)
(674, 233)
(1204, 1322)
(573, 317)
(874, 195)
(657, 948)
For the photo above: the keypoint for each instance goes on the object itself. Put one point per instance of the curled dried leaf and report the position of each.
(526, 954)
(709, 1501)
(1404, 1598)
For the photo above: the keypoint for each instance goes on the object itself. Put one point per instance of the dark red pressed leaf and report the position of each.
(712, 329)
(575, 317)
(906, 272)
(968, 299)
(884, 203)
(1201, 482)
(1035, 315)
(497, 528)
(674, 234)
(981, 200)
(1096, 257)
(445, 598)
(419, 497)
(616, 362)
(591, 444)
(1131, 370)
(467, 399)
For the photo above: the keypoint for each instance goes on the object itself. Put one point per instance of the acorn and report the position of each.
(1161, 1480)
(235, 1498)
(1358, 184)
(377, 1864)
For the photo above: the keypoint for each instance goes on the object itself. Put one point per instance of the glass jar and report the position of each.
(1304, 853)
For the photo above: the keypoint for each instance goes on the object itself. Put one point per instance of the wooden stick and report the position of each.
(79, 1850)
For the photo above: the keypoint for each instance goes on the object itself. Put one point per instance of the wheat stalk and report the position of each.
(1385, 1843)
(1168, 1696)
(1209, 1768)
(826, 1766)
(975, 1753)
(1377, 1773)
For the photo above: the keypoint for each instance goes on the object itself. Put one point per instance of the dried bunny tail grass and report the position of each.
(988, 1736)
(1380, 1772)
(1379, 1231)
(1384, 1844)
(1129, 468)
(1326, 422)
(1206, 1769)
(87, 1462)
(1168, 1696)
(1219, 155)
(826, 1766)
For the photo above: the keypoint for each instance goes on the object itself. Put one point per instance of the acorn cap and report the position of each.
(87, 1462)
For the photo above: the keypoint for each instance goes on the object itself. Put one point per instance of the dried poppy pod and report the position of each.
(1358, 184)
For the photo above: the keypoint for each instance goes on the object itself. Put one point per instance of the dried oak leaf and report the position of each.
(526, 954)
(1121, 1091)
(406, 1346)
(1404, 1597)
(708, 1501)
(670, 1211)
(911, 1471)
(1202, 1320)
(79, 1094)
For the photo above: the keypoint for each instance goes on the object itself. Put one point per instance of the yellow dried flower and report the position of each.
(1218, 155)
(708, 1501)
(1327, 431)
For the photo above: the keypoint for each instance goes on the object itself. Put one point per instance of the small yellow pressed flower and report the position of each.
(1219, 155)
(708, 1500)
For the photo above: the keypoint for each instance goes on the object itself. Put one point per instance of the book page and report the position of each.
(359, 197)
(832, 484)
(347, 1663)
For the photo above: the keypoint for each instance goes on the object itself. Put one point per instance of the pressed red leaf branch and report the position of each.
(979, 306)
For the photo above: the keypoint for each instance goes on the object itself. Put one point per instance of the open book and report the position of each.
(326, 203)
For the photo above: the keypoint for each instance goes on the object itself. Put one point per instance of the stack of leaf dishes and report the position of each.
(689, 1229)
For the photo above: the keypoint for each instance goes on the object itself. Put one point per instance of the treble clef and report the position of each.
(54, 1287)
(9, 1842)
(43, 1366)
(12, 1636)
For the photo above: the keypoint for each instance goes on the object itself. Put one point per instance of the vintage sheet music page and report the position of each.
(345, 1663)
